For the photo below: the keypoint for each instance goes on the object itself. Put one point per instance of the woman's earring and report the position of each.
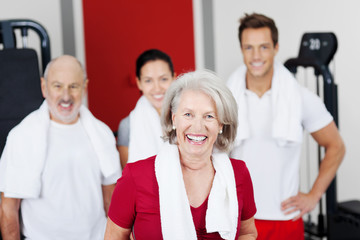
(174, 128)
(220, 131)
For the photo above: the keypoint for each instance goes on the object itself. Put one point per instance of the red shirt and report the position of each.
(135, 201)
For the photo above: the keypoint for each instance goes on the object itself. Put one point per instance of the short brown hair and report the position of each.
(256, 20)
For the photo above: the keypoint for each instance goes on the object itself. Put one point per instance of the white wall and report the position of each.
(198, 35)
(293, 18)
(79, 30)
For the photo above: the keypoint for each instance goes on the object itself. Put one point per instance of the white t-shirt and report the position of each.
(274, 169)
(71, 203)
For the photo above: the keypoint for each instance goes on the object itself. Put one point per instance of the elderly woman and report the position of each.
(191, 189)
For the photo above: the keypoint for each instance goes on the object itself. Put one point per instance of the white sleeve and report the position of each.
(111, 179)
(3, 166)
(315, 115)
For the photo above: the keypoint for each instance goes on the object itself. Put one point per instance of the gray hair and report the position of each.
(48, 67)
(208, 83)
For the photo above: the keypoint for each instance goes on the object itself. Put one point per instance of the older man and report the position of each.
(59, 165)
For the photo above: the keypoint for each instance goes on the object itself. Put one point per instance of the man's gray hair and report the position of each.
(48, 67)
(208, 83)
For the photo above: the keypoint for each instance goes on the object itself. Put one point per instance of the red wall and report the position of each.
(116, 32)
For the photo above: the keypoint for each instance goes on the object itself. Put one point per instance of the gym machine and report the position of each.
(341, 221)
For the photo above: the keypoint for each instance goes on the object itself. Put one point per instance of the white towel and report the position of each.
(24, 155)
(286, 104)
(175, 212)
(145, 131)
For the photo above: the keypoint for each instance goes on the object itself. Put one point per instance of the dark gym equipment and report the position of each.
(20, 91)
(341, 220)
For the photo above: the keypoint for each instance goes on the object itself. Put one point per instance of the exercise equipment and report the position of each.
(341, 220)
(20, 91)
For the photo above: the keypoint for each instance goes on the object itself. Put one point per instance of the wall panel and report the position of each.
(116, 32)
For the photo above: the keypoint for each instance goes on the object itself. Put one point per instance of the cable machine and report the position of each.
(341, 221)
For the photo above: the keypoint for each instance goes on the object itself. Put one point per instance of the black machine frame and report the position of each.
(8, 38)
(342, 220)
(9, 42)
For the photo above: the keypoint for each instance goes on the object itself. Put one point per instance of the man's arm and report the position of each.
(10, 224)
(330, 139)
(107, 191)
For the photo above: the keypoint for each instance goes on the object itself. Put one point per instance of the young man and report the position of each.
(60, 164)
(273, 111)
